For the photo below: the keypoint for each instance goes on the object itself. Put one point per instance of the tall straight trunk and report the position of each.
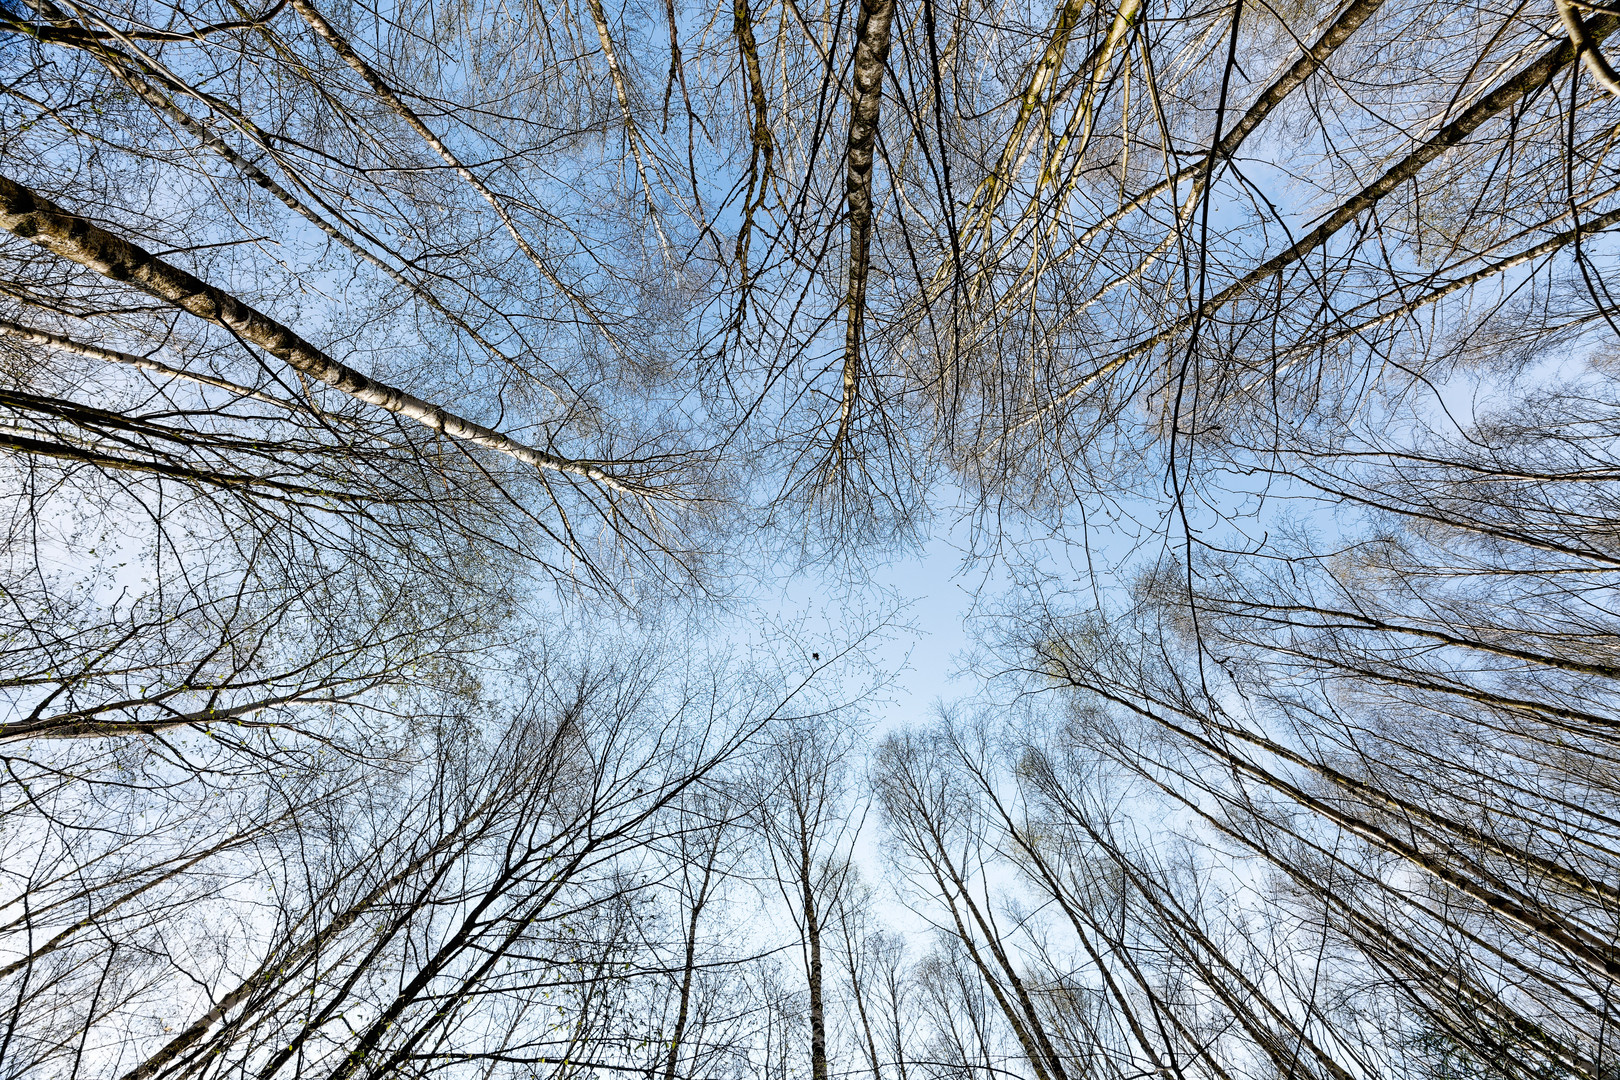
(683, 1011)
(812, 938)
(869, 65)
(858, 993)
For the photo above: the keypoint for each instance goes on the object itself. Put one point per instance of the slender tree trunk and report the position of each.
(683, 1011)
(812, 937)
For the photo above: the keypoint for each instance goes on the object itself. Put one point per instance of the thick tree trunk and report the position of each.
(35, 218)
(870, 65)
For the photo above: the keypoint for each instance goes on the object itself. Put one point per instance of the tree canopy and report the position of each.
(403, 407)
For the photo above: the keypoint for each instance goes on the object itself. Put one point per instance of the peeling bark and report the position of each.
(870, 64)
